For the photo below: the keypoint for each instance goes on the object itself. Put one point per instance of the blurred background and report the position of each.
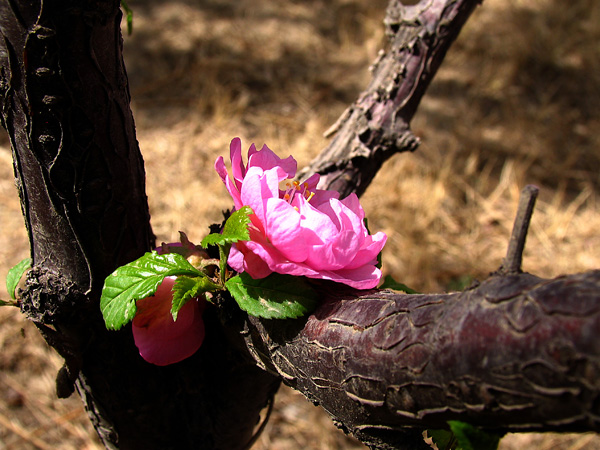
(517, 101)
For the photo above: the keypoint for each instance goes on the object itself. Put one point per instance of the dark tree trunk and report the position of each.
(65, 105)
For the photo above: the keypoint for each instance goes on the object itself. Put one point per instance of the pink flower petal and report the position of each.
(231, 187)
(369, 251)
(242, 259)
(159, 339)
(237, 165)
(266, 159)
(364, 277)
(284, 231)
(351, 202)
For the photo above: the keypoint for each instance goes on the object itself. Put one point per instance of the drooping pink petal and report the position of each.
(364, 277)
(161, 340)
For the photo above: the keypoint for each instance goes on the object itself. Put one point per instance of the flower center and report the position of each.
(293, 188)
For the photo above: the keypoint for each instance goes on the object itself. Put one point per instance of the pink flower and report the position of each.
(159, 339)
(296, 228)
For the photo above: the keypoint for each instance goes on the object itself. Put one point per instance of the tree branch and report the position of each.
(515, 353)
(516, 244)
(377, 125)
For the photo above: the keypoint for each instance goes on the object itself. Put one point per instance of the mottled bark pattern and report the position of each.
(377, 125)
(514, 353)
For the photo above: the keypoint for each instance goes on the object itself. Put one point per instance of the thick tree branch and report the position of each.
(377, 125)
(515, 353)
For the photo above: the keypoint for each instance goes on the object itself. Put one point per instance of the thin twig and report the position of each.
(514, 255)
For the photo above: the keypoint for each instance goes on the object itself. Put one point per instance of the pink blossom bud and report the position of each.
(161, 340)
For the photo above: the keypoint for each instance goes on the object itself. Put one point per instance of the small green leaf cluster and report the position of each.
(274, 297)
(463, 436)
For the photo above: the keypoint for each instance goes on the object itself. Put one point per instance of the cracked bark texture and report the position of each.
(515, 353)
(65, 104)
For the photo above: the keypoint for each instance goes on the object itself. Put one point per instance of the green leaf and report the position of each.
(137, 280)
(443, 439)
(471, 438)
(14, 276)
(187, 288)
(274, 297)
(235, 229)
(390, 283)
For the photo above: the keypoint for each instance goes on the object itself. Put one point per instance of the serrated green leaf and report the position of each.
(443, 439)
(14, 275)
(390, 283)
(472, 438)
(187, 288)
(274, 297)
(137, 280)
(234, 230)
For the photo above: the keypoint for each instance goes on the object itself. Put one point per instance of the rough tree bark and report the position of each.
(377, 361)
(65, 104)
(515, 353)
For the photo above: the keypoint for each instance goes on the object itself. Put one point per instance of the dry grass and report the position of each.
(517, 101)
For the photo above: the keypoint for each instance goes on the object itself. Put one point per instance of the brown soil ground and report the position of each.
(517, 101)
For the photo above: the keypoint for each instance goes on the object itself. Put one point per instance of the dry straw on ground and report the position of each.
(517, 101)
